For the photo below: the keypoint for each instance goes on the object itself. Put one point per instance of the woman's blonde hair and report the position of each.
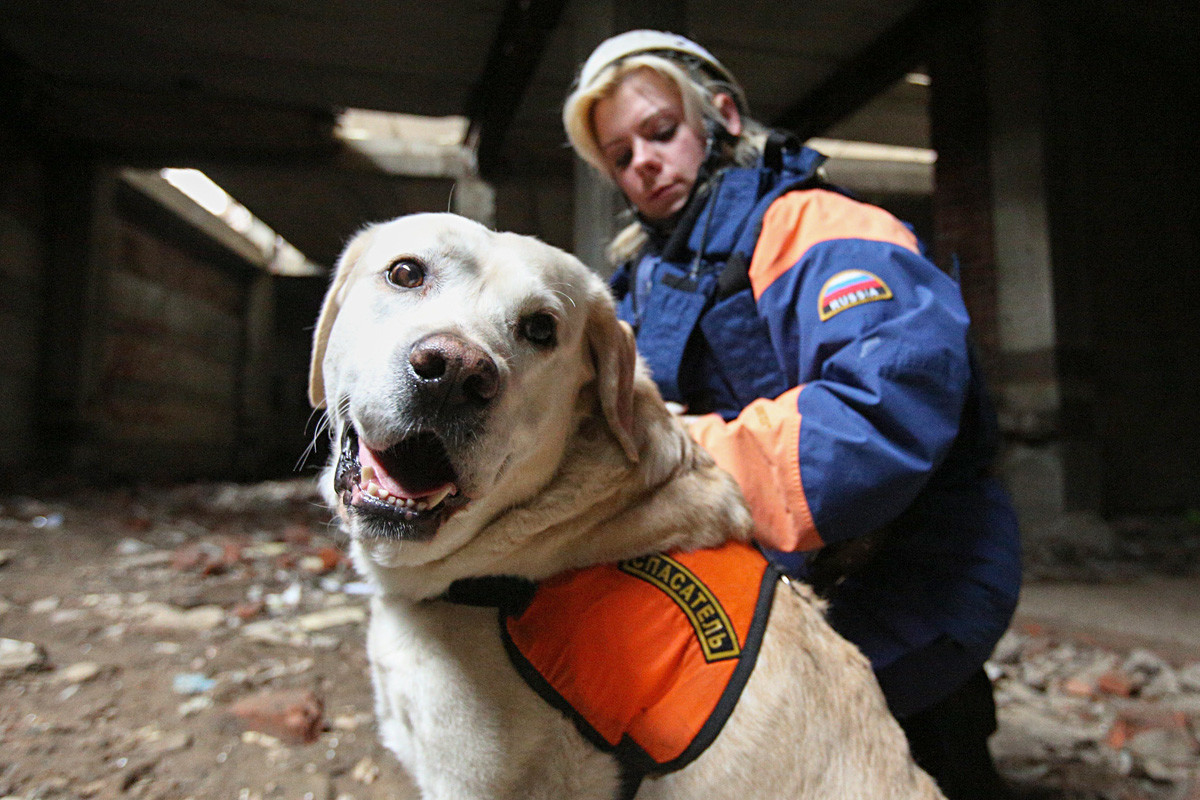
(696, 88)
(697, 91)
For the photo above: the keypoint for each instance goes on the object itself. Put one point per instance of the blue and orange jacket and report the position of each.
(831, 362)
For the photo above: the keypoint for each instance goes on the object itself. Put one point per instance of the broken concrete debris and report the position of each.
(207, 641)
(293, 716)
(17, 656)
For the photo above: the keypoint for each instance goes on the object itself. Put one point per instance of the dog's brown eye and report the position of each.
(540, 329)
(406, 273)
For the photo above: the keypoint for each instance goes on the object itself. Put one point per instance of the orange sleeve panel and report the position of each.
(798, 220)
(761, 450)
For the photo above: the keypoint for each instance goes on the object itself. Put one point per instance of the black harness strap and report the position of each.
(631, 781)
(504, 592)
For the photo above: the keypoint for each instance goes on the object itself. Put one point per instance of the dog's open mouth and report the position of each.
(403, 491)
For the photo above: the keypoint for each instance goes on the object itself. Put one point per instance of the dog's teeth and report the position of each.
(373, 489)
(436, 499)
(368, 474)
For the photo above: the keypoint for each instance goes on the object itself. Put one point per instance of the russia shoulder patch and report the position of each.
(850, 288)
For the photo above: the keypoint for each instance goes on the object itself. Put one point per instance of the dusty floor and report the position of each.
(137, 623)
(145, 609)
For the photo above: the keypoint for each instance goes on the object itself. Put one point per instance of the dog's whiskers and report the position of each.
(321, 426)
(324, 425)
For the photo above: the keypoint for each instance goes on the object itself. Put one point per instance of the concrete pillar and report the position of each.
(595, 218)
(1025, 291)
(256, 405)
(23, 245)
(475, 198)
(1030, 394)
(592, 21)
(78, 200)
(596, 200)
(990, 206)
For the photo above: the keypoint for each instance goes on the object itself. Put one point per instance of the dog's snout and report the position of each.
(458, 371)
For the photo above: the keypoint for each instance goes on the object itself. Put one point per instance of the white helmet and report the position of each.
(637, 42)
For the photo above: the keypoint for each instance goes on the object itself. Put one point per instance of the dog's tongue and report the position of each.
(401, 475)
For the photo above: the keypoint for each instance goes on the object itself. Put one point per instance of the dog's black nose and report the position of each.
(456, 371)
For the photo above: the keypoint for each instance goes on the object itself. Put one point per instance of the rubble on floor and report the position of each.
(1122, 723)
(195, 642)
(207, 641)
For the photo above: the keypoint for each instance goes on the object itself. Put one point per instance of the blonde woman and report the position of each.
(825, 363)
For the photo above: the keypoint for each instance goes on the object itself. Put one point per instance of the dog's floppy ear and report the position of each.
(329, 311)
(614, 355)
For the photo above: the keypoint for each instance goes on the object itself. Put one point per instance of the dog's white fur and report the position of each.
(575, 461)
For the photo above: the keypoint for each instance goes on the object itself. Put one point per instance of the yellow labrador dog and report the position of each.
(490, 418)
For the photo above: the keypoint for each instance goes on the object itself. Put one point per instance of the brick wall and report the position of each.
(167, 380)
(134, 347)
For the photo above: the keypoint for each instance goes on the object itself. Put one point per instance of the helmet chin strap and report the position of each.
(719, 138)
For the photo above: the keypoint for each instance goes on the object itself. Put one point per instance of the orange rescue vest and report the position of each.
(648, 656)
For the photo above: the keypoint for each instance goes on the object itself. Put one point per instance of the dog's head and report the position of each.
(454, 363)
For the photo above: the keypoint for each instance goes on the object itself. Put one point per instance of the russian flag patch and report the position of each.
(850, 288)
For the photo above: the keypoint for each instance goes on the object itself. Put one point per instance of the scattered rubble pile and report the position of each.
(207, 642)
(1097, 721)
(201, 642)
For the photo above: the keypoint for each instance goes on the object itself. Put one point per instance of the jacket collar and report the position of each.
(729, 195)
